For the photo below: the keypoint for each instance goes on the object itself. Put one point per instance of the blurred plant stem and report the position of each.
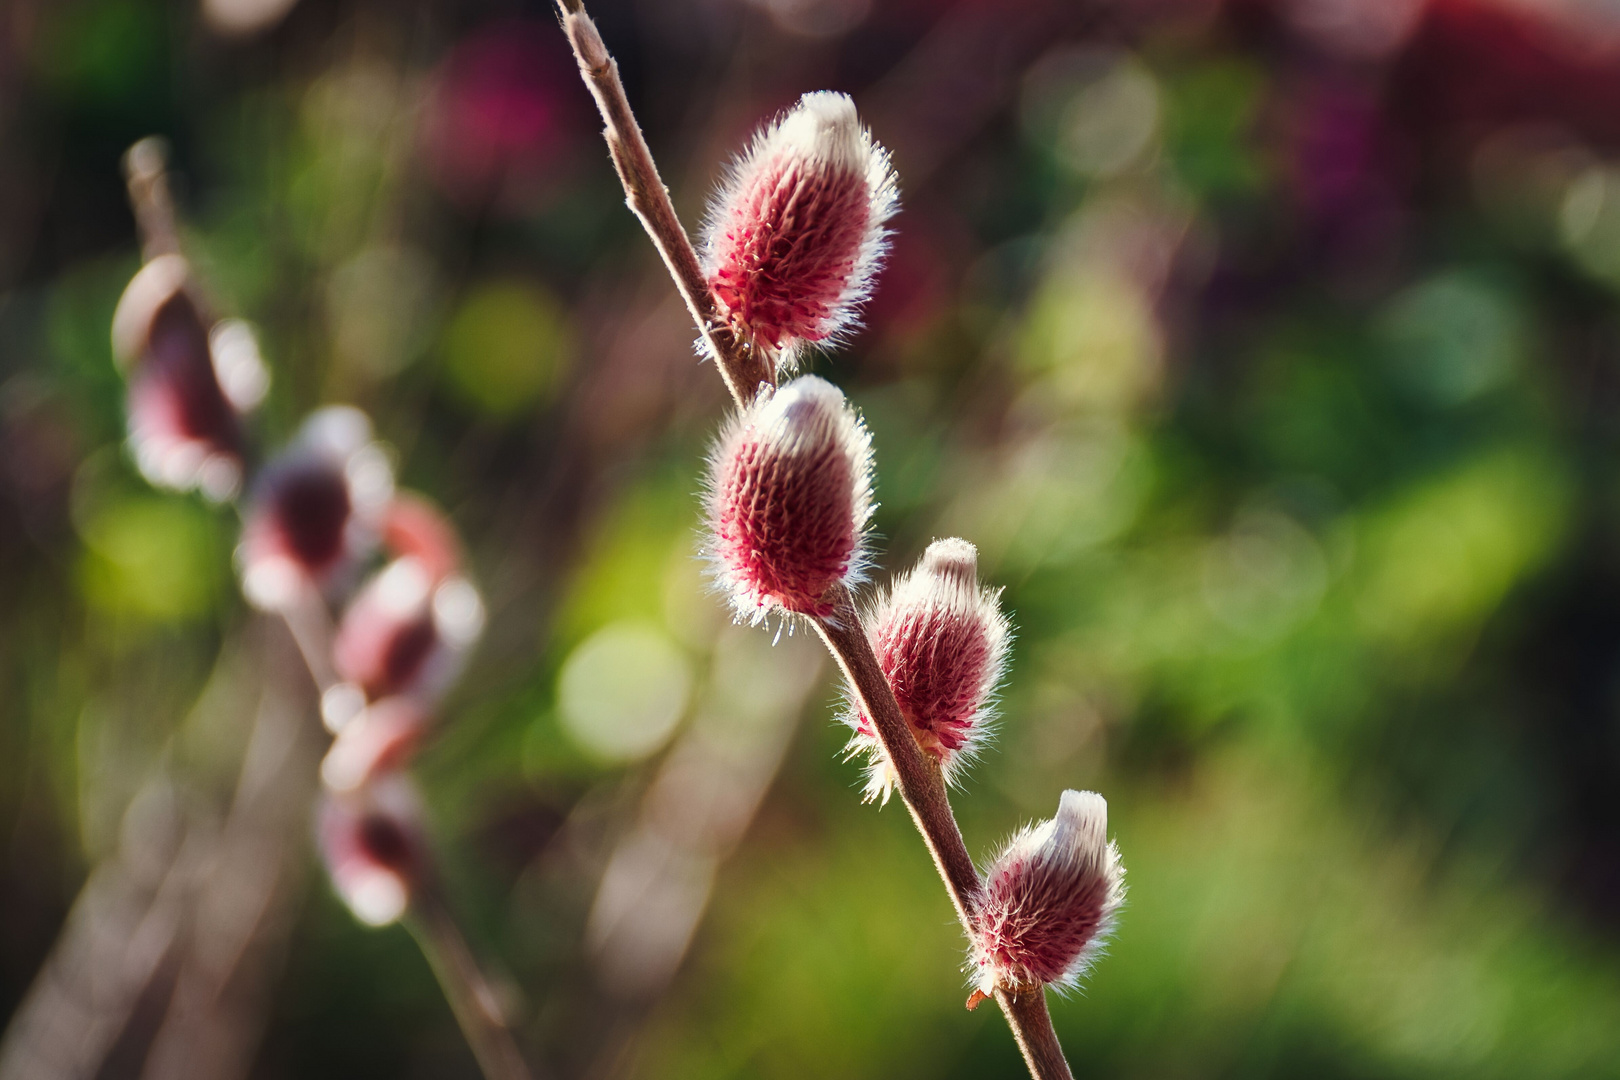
(920, 783)
(146, 173)
(309, 624)
(472, 997)
(166, 962)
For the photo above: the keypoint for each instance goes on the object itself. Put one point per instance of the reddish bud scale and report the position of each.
(789, 497)
(415, 527)
(941, 640)
(796, 233)
(381, 739)
(1049, 900)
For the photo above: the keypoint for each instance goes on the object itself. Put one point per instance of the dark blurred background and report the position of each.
(1269, 352)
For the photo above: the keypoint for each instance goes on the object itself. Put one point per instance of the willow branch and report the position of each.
(308, 622)
(743, 367)
(1032, 1027)
(921, 785)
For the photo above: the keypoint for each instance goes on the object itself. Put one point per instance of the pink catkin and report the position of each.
(1049, 901)
(941, 640)
(406, 632)
(183, 430)
(796, 234)
(789, 498)
(314, 511)
(371, 842)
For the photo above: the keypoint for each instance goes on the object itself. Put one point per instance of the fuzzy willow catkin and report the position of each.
(796, 232)
(1049, 901)
(941, 640)
(789, 497)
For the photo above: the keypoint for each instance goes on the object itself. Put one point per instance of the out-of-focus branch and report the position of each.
(474, 1001)
(245, 902)
(657, 881)
(146, 173)
(743, 367)
(166, 958)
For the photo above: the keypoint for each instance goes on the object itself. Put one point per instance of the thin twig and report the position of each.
(311, 630)
(920, 783)
(473, 1000)
(146, 173)
(743, 367)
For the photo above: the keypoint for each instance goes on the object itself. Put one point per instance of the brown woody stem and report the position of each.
(743, 367)
(921, 785)
(1032, 1026)
(923, 789)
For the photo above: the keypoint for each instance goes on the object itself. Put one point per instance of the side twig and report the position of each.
(920, 783)
(743, 367)
(475, 1006)
(146, 173)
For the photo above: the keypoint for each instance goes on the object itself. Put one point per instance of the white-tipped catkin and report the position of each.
(789, 497)
(1049, 901)
(371, 842)
(315, 510)
(941, 639)
(184, 432)
(796, 233)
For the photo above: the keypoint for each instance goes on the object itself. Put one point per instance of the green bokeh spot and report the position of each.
(506, 347)
(152, 557)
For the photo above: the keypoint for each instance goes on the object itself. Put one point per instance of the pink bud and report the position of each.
(371, 842)
(796, 232)
(941, 640)
(789, 497)
(407, 632)
(378, 740)
(183, 430)
(1049, 900)
(316, 509)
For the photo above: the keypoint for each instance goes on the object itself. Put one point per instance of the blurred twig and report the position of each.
(472, 998)
(164, 960)
(146, 172)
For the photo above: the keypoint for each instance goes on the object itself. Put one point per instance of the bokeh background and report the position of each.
(1269, 350)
